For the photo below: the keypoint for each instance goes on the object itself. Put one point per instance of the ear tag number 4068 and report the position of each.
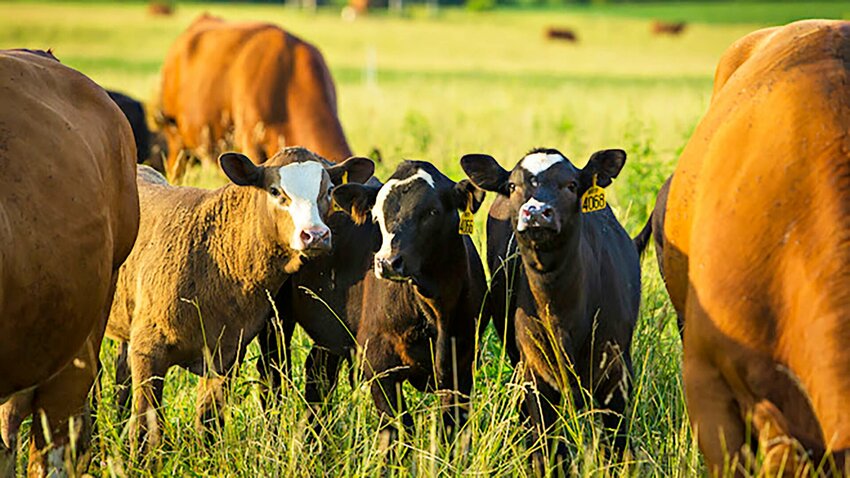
(467, 219)
(335, 207)
(593, 199)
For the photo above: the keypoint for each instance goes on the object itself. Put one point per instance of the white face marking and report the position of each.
(536, 163)
(301, 183)
(378, 209)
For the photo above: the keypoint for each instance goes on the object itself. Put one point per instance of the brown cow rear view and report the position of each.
(757, 249)
(69, 214)
(253, 81)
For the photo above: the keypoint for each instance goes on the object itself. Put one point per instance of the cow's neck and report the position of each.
(443, 279)
(240, 242)
(556, 277)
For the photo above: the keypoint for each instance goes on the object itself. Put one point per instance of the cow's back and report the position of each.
(68, 212)
(757, 224)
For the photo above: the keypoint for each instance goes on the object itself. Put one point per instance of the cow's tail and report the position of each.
(642, 239)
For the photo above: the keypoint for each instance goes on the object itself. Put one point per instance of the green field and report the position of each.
(446, 84)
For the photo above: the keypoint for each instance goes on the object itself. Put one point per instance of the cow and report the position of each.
(135, 113)
(69, 214)
(415, 292)
(160, 9)
(560, 33)
(574, 294)
(253, 81)
(758, 205)
(209, 259)
(668, 28)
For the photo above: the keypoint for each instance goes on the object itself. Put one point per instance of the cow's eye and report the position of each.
(511, 187)
(572, 186)
(533, 182)
(433, 212)
(274, 191)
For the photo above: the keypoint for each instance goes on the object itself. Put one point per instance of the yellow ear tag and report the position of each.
(467, 219)
(593, 199)
(335, 207)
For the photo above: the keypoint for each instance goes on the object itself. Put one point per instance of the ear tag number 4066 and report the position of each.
(335, 207)
(467, 219)
(593, 199)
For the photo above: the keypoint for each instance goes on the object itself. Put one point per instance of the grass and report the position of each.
(445, 85)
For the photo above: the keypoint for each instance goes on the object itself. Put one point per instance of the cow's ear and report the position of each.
(355, 169)
(241, 170)
(467, 195)
(485, 172)
(605, 164)
(356, 200)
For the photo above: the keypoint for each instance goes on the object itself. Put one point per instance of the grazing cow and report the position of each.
(758, 205)
(574, 299)
(69, 214)
(254, 81)
(668, 28)
(565, 34)
(135, 113)
(160, 9)
(415, 293)
(208, 260)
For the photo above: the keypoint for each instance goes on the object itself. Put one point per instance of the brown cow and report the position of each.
(208, 259)
(668, 28)
(254, 81)
(759, 206)
(69, 214)
(559, 33)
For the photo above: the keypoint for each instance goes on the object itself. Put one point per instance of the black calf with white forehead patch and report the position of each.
(574, 295)
(421, 305)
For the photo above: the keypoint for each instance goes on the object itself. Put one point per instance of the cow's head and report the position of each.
(544, 189)
(296, 189)
(417, 211)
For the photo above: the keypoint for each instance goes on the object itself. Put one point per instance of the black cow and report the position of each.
(402, 283)
(574, 299)
(135, 113)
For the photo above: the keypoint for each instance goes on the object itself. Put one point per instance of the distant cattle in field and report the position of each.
(215, 255)
(160, 9)
(69, 215)
(756, 254)
(252, 86)
(562, 34)
(668, 28)
(567, 307)
(135, 113)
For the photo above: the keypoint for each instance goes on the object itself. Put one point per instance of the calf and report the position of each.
(208, 260)
(575, 299)
(420, 292)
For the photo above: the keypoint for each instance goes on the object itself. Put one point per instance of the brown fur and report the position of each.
(68, 217)
(254, 81)
(758, 204)
(194, 291)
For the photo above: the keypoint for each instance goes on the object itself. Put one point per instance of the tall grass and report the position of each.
(443, 86)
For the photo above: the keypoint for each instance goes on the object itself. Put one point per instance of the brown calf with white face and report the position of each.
(69, 214)
(573, 304)
(208, 259)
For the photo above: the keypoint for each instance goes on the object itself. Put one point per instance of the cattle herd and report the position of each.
(752, 233)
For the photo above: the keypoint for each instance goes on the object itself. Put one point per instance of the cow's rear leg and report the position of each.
(210, 406)
(715, 415)
(61, 432)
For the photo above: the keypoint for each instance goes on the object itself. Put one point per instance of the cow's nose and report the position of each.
(316, 237)
(536, 215)
(390, 268)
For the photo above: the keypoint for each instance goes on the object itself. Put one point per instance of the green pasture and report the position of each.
(444, 84)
